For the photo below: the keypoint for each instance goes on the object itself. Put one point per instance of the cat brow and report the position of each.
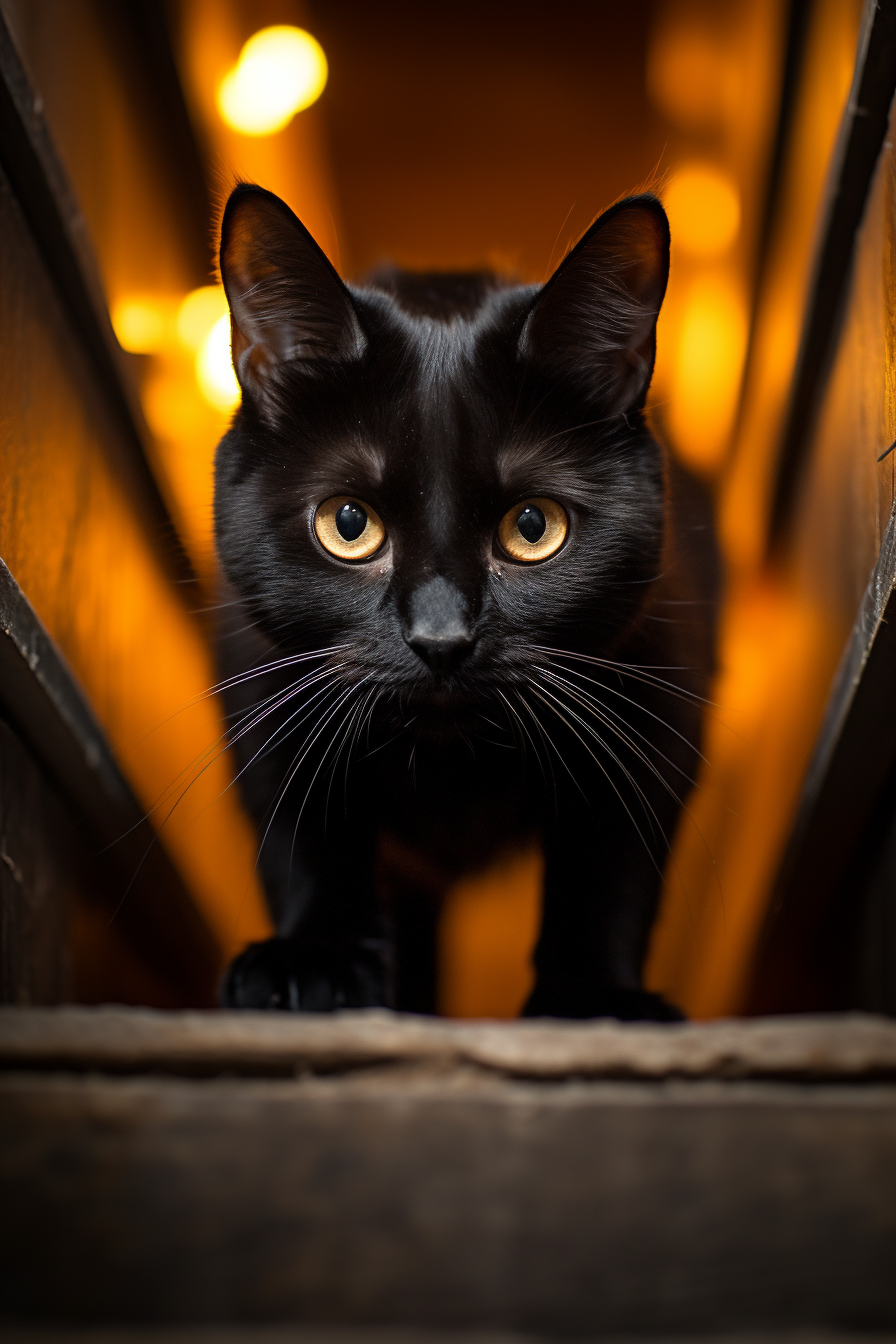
(358, 460)
(523, 464)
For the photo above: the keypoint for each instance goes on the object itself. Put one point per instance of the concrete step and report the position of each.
(369, 1170)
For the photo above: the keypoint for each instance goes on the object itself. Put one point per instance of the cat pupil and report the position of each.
(351, 521)
(531, 523)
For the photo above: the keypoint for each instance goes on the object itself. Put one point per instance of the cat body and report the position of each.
(471, 605)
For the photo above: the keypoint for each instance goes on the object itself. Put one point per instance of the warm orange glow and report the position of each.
(214, 368)
(703, 204)
(777, 653)
(139, 324)
(708, 364)
(691, 77)
(280, 71)
(488, 930)
(198, 313)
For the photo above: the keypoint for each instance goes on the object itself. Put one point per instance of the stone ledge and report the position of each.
(134, 1040)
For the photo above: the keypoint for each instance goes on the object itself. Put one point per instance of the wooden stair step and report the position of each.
(371, 1170)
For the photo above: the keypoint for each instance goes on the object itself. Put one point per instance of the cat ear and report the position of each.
(287, 304)
(595, 319)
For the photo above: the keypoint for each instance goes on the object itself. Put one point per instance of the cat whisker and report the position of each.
(230, 682)
(303, 712)
(295, 765)
(605, 773)
(637, 671)
(213, 754)
(607, 716)
(680, 802)
(513, 720)
(550, 745)
(276, 665)
(338, 732)
(639, 754)
(573, 672)
(646, 806)
(349, 722)
(372, 694)
(159, 829)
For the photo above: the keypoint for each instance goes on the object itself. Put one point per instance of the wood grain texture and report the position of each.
(862, 135)
(309, 1334)
(34, 880)
(842, 563)
(448, 1201)
(81, 542)
(103, 832)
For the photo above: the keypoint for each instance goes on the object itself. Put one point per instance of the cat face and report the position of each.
(439, 473)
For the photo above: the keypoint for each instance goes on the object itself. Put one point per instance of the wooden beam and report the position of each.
(861, 136)
(42, 700)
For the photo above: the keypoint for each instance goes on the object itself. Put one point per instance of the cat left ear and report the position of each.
(287, 303)
(595, 319)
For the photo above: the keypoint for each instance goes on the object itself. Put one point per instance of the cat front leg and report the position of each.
(601, 892)
(334, 949)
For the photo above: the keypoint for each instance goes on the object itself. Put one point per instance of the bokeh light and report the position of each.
(139, 325)
(703, 204)
(280, 71)
(214, 368)
(198, 313)
(708, 366)
(691, 77)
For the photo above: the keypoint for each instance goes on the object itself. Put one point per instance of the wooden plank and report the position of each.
(861, 136)
(46, 198)
(449, 1201)
(854, 756)
(42, 699)
(264, 1333)
(35, 877)
(121, 1040)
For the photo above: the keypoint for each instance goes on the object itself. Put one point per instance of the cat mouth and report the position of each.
(451, 711)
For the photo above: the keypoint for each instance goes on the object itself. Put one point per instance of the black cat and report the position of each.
(465, 610)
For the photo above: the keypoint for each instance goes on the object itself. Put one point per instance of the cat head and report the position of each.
(440, 473)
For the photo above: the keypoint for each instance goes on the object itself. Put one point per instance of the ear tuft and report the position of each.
(287, 304)
(595, 319)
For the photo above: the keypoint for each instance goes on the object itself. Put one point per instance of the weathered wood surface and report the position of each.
(862, 135)
(36, 875)
(451, 1200)
(293, 1334)
(548, 1178)
(62, 739)
(141, 1040)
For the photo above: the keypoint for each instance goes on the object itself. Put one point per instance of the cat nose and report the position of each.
(439, 627)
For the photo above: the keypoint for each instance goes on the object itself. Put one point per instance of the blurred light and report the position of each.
(692, 78)
(708, 364)
(214, 368)
(172, 405)
(198, 313)
(488, 929)
(703, 204)
(280, 71)
(139, 325)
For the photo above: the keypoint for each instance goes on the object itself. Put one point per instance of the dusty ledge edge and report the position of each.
(857, 1047)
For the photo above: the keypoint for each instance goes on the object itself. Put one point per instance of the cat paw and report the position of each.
(308, 975)
(574, 1000)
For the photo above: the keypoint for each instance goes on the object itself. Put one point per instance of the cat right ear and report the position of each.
(288, 306)
(595, 320)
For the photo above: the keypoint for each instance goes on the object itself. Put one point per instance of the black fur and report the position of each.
(456, 712)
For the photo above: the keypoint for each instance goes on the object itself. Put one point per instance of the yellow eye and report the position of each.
(347, 528)
(533, 530)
